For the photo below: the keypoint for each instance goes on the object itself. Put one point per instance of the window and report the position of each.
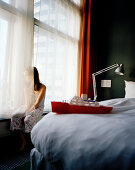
(56, 38)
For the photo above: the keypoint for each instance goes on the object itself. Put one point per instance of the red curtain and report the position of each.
(87, 58)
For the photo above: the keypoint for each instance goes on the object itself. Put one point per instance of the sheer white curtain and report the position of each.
(16, 55)
(56, 42)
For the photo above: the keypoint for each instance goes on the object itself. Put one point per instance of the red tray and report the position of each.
(66, 108)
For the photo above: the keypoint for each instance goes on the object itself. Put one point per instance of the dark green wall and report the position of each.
(113, 38)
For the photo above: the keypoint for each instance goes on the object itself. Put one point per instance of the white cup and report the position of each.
(84, 96)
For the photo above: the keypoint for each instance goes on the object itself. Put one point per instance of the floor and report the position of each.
(10, 157)
(15, 161)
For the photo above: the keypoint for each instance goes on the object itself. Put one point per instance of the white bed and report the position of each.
(86, 141)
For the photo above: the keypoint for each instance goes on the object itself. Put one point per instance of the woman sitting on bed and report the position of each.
(32, 115)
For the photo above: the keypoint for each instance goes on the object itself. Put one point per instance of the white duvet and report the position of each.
(89, 141)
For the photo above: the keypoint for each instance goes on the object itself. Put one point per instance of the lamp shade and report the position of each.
(120, 70)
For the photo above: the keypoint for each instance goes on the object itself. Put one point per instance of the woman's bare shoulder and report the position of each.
(43, 87)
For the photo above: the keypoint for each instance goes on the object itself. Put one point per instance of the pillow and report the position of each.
(66, 108)
(129, 89)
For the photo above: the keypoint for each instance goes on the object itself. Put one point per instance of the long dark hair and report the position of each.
(37, 83)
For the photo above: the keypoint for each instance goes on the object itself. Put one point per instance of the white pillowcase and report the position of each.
(129, 89)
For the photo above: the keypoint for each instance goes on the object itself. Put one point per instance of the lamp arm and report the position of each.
(99, 72)
(94, 86)
(105, 69)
